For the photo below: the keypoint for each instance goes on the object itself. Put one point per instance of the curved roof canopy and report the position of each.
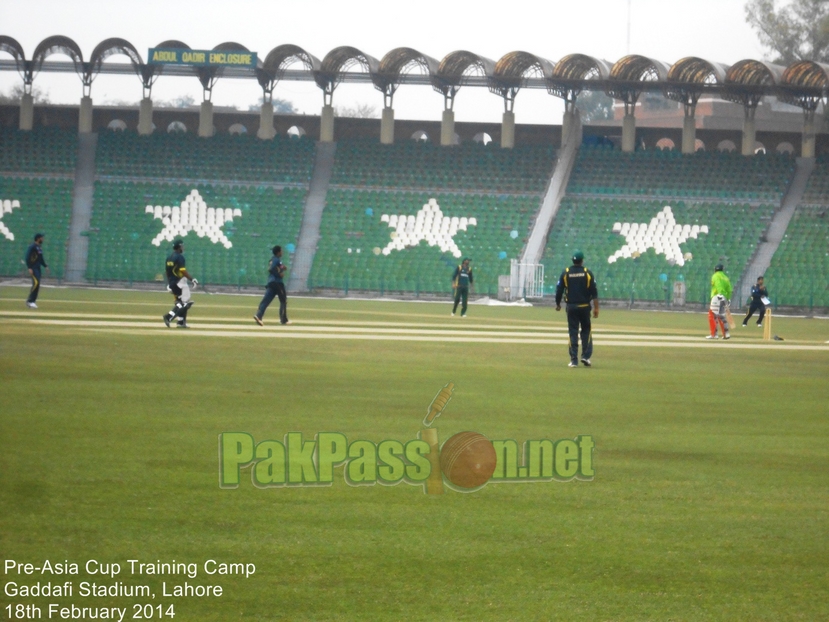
(209, 75)
(57, 45)
(337, 63)
(454, 67)
(628, 75)
(111, 47)
(398, 62)
(569, 74)
(805, 83)
(511, 72)
(15, 50)
(747, 80)
(690, 76)
(277, 62)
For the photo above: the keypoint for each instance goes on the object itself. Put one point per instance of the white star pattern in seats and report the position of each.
(7, 207)
(662, 234)
(193, 215)
(428, 224)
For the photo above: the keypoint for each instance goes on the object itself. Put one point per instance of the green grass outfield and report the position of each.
(709, 501)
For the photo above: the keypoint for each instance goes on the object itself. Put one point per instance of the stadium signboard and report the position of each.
(202, 58)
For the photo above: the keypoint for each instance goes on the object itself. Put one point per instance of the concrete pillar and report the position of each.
(749, 135)
(145, 117)
(85, 116)
(387, 126)
(27, 112)
(629, 133)
(266, 130)
(689, 135)
(206, 120)
(327, 124)
(566, 123)
(508, 130)
(447, 128)
(807, 148)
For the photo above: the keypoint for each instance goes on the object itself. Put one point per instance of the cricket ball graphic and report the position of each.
(468, 460)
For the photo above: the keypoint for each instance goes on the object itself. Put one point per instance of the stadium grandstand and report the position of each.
(390, 207)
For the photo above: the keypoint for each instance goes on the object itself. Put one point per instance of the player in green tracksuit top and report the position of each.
(461, 280)
(720, 286)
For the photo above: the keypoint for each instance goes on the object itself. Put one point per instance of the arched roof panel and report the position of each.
(806, 74)
(283, 56)
(570, 72)
(805, 83)
(112, 47)
(455, 65)
(630, 72)
(689, 76)
(12, 48)
(750, 72)
(58, 45)
(209, 75)
(15, 50)
(581, 67)
(636, 68)
(279, 60)
(747, 80)
(515, 66)
(401, 61)
(339, 61)
(693, 70)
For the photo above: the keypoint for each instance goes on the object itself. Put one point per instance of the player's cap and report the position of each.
(276, 249)
(465, 259)
(578, 256)
(178, 243)
(718, 267)
(38, 236)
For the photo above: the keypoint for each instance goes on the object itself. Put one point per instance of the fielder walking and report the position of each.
(178, 282)
(34, 262)
(274, 289)
(462, 279)
(577, 286)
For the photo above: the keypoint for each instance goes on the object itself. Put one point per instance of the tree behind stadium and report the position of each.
(796, 31)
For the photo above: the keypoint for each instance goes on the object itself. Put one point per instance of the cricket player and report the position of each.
(274, 289)
(34, 262)
(577, 286)
(177, 282)
(758, 294)
(716, 310)
(720, 286)
(461, 281)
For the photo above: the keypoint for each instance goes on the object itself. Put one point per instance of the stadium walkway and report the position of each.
(309, 231)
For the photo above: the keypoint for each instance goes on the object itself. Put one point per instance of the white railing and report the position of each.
(526, 280)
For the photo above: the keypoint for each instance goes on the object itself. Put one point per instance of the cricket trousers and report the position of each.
(274, 290)
(714, 321)
(461, 293)
(35, 287)
(756, 306)
(578, 321)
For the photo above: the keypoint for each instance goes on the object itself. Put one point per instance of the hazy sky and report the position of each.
(663, 29)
